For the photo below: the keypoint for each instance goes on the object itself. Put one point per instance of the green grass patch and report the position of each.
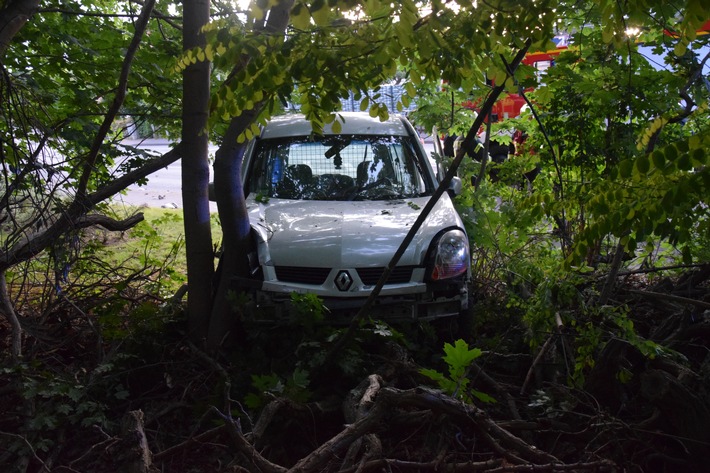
(158, 240)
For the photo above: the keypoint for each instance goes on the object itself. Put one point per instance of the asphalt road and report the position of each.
(163, 189)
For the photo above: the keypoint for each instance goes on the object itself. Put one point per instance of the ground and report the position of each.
(277, 400)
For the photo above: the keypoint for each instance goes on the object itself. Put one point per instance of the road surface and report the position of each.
(164, 189)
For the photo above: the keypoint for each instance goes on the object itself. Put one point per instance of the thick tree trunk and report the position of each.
(231, 203)
(136, 456)
(196, 175)
(13, 17)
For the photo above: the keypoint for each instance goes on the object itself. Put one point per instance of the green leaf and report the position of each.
(432, 374)
(300, 378)
(670, 152)
(364, 104)
(337, 126)
(699, 157)
(607, 35)
(253, 401)
(256, 10)
(374, 110)
(483, 397)
(320, 12)
(684, 163)
(411, 90)
(300, 17)
(459, 356)
(625, 168)
(687, 255)
(643, 164)
(659, 159)
(668, 202)
(680, 49)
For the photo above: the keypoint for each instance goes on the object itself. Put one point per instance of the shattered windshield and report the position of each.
(338, 167)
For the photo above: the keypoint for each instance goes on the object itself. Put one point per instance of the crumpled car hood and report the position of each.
(352, 234)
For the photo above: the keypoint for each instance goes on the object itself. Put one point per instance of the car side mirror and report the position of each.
(455, 186)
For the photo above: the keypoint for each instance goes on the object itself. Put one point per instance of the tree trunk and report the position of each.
(231, 202)
(13, 17)
(135, 454)
(196, 174)
(9, 312)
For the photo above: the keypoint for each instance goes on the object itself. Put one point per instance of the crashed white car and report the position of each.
(328, 213)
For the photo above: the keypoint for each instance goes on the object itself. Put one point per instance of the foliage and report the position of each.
(73, 83)
(458, 359)
(337, 42)
(64, 96)
(308, 309)
(619, 165)
(268, 387)
(51, 402)
(443, 109)
(606, 111)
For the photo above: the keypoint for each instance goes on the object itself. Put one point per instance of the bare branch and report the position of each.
(672, 297)
(108, 223)
(35, 244)
(9, 312)
(118, 100)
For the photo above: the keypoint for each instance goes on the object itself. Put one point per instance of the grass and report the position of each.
(159, 241)
(156, 243)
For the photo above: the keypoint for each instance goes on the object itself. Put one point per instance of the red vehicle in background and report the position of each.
(510, 106)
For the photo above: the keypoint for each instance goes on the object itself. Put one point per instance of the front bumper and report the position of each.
(422, 302)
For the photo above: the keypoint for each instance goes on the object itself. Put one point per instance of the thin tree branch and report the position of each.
(9, 312)
(251, 454)
(672, 297)
(115, 107)
(467, 143)
(35, 244)
(108, 223)
(689, 103)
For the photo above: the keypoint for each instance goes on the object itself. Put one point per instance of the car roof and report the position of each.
(353, 123)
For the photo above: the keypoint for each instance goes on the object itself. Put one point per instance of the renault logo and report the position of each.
(343, 280)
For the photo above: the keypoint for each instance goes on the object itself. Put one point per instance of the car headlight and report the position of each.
(448, 255)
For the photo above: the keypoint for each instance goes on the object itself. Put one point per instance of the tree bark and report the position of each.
(35, 243)
(9, 312)
(196, 174)
(138, 458)
(12, 18)
(231, 202)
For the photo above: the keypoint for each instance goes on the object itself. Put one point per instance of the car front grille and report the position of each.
(301, 275)
(317, 276)
(399, 275)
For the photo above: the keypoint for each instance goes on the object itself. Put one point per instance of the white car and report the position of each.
(328, 213)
